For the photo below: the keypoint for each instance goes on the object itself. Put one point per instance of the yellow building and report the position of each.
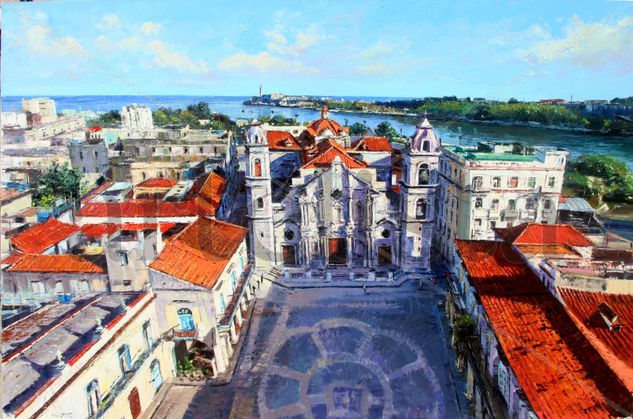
(100, 356)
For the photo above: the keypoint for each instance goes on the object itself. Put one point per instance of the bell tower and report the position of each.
(259, 197)
(420, 163)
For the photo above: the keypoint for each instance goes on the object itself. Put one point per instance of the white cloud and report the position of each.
(277, 41)
(110, 21)
(263, 62)
(166, 57)
(43, 40)
(384, 58)
(150, 28)
(378, 51)
(589, 45)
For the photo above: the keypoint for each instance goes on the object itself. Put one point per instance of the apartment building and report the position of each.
(488, 186)
(137, 117)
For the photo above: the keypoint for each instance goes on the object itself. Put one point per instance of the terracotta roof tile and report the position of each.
(282, 140)
(372, 144)
(207, 192)
(86, 198)
(532, 233)
(54, 263)
(43, 236)
(559, 370)
(327, 151)
(145, 209)
(318, 126)
(97, 230)
(547, 249)
(207, 247)
(157, 182)
(12, 258)
(616, 346)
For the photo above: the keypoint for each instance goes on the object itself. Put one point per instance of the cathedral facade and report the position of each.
(319, 198)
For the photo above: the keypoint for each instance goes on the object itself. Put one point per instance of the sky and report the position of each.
(527, 49)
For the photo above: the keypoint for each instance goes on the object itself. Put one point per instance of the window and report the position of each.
(289, 234)
(547, 204)
(59, 287)
(94, 399)
(37, 287)
(186, 150)
(233, 280)
(201, 150)
(496, 182)
(96, 154)
(551, 181)
(147, 335)
(512, 204)
(423, 174)
(478, 182)
(257, 167)
(386, 233)
(529, 203)
(493, 224)
(513, 182)
(359, 210)
(260, 203)
(479, 202)
(125, 360)
(531, 182)
(222, 304)
(494, 204)
(185, 318)
(477, 222)
(123, 258)
(420, 209)
(81, 155)
(426, 146)
(157, 377)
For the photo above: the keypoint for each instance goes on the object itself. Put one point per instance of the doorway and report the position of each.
(288, 253)
(384, 255)
(135, 403)
(337, 251)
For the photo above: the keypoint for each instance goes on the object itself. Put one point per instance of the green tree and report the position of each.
(602, 175)
(201, 110)
(106, 119)
(58, 182)
(358, 128)
(384, 129)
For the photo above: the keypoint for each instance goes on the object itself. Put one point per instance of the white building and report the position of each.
(42, 106)
(137, 117)
(14, 119)
(483, 188)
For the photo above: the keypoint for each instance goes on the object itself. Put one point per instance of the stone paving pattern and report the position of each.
(336, 353)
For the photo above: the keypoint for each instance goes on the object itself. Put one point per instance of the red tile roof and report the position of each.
(12, 258)
(200, 252)
(86, 198)
(532, 233)
(282, 140)
(157, 182)
(560, 372)
(615, 346)
(547, 249)
(372, 144)
(327, 151)
(146, 209)
(318, 126)
(43, 236)
(54, 263)
(207, 192)
(97, 230)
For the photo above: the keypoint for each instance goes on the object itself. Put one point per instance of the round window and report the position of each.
(289, 234)
(386, 233)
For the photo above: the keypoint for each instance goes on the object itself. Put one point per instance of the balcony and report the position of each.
(176, 333)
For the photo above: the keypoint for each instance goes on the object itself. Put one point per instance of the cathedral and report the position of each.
(319, 198)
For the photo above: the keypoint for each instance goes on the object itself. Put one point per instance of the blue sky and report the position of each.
(523, 49)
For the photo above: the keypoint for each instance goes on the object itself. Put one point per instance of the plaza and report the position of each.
(335, 352)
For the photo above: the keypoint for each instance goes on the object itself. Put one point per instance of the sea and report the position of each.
(451, 132)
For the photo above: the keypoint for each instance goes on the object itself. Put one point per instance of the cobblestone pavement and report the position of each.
(335, 352)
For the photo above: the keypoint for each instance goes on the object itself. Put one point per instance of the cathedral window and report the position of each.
(260, 203)
(257, 168)
(289, 234)
(420, 209)
(423, 174)
(426, 146)
(386, 233)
